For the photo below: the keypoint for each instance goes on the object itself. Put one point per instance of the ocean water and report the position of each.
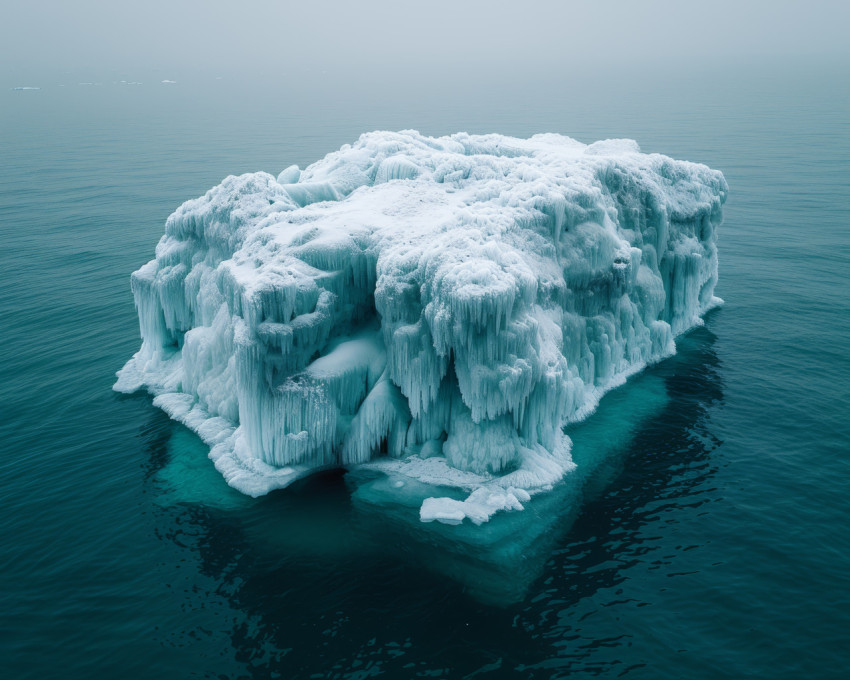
(712, 540)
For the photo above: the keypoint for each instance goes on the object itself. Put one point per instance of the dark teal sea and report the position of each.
(715, 545)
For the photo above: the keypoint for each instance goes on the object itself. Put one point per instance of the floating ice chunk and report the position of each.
(437, 309)
(481, 504)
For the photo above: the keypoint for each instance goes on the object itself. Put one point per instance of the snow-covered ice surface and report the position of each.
(431, 311)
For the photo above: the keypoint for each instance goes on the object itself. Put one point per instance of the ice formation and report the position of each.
(436, 309)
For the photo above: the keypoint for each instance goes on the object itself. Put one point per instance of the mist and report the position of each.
(289, 44)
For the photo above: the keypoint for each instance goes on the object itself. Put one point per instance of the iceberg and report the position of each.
(430, 313)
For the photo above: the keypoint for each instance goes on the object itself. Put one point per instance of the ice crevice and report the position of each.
(437, 309)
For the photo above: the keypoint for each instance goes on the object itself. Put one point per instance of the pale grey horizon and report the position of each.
(262, 38)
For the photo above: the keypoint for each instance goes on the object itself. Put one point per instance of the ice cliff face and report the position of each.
(436, 308)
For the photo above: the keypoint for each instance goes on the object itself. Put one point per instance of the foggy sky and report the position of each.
(263, 38)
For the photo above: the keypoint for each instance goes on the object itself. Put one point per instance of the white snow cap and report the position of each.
(432, 305)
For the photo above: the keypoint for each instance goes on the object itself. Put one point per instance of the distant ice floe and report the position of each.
(433, 311)
(169, 82)
(25, 87)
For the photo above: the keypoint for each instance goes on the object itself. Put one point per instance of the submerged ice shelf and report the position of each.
(433, 309)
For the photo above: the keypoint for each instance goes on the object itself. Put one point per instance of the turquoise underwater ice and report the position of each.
(429, 312)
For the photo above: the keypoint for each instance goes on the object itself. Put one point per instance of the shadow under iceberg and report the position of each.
(336, 556)
(337, 514)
